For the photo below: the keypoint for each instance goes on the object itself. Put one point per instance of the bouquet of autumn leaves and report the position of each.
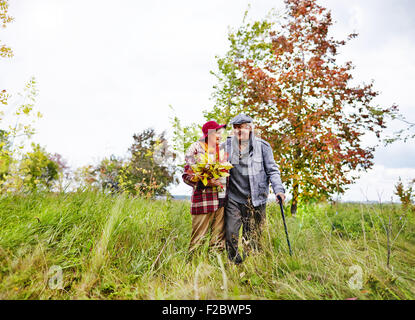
(206, 170)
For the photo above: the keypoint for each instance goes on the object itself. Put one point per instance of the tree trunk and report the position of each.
(295, 199)
(297, 149)
(296, 167)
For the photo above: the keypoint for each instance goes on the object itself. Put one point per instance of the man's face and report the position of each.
(242, 131)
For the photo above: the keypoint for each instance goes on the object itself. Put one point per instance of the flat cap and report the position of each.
(241, 118)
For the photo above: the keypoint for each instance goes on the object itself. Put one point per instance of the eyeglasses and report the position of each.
(242, 126)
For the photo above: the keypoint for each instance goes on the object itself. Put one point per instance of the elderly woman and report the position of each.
(207, 202)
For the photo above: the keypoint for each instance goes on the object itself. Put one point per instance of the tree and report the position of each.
(109, 173)
(251, 41)
(183, 137)
(17, 128)
(105, 176)
(36, 171)
(151, 168)
(147, 172)
(283, 71)
(16, 131)
(64, 179)
(18, 124)
(85, 177)
(406, 195)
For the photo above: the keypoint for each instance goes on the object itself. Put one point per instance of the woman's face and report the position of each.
(215, 136)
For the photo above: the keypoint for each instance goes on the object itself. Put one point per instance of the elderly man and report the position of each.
(253, 169)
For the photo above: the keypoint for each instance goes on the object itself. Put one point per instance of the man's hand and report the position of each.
(214, 183)
(282, 195)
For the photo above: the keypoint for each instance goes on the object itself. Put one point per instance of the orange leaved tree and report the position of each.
(283, 71)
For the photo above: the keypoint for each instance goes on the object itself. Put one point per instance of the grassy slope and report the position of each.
(124, 248)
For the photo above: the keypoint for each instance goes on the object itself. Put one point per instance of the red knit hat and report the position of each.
(211, 125)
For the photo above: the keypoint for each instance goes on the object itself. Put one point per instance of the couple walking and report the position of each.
(241, 198)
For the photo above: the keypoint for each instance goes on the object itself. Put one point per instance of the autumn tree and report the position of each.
(283, 71)
(147, 171)
(406, 195)
(109, 173)
(85, 177)
(151, 168)
(104, 176)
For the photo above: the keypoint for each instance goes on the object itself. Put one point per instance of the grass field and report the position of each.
(116, 247)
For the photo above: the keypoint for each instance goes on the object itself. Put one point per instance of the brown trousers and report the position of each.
(203, 223)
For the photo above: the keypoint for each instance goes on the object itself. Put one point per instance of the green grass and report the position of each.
(116, 247)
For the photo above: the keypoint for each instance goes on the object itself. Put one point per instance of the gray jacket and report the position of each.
(262, 169)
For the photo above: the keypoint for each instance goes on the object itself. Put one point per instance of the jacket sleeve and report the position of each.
(187, 177)
(190, 158)
(271, 168)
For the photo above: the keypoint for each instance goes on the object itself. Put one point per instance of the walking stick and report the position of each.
(285, 225)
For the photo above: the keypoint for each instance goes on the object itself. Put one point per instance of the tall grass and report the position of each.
(118, 247)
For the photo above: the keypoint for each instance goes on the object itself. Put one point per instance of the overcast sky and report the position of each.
(109, 69)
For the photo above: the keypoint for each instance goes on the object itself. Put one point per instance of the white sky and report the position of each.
(109, 69)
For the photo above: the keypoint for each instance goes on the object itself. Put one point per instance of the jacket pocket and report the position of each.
(263, 189)
(257, 166)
